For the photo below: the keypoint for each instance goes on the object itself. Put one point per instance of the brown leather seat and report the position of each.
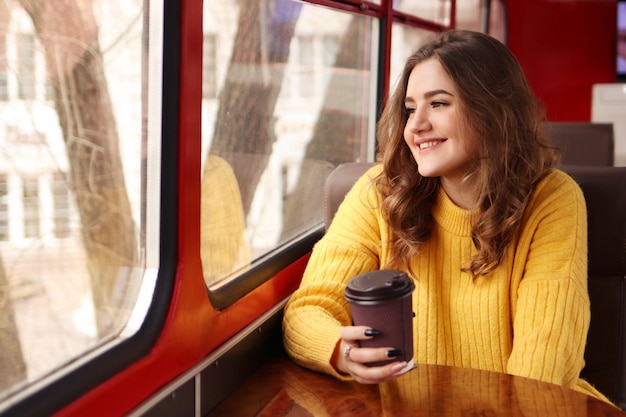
(605, 354)
(583, 143)
(337, 185)
(605, 194)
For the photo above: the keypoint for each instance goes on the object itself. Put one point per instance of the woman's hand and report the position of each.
(350, 359)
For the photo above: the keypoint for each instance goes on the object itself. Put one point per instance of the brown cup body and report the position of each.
(382, 300)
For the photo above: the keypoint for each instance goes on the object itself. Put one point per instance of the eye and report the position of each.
(409, 110)
(436, 103)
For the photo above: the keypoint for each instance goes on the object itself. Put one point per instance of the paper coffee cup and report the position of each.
(382, 300)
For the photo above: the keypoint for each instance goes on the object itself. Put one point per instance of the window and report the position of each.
(74, 209)
(289, 111)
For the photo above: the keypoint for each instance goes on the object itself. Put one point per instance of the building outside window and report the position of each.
(26, 65)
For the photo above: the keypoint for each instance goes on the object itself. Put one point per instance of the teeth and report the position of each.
(429, 144)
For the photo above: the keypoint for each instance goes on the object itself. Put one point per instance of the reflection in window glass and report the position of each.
(70, 173)
(295, 83)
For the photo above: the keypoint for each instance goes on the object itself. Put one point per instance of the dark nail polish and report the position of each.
(393, 353)
(371, 332)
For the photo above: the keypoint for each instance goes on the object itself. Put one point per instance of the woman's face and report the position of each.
(432, 130)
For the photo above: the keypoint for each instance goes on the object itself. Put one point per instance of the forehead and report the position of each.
(428, 76)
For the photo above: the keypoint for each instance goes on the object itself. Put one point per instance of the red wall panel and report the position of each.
(564, 46)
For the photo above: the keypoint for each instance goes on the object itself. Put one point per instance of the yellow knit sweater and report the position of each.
(529, 318)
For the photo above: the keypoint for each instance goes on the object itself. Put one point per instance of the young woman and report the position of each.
(467, 203)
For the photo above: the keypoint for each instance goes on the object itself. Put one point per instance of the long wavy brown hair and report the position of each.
(499, 110)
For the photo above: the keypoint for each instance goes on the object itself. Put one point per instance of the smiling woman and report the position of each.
(453, 145)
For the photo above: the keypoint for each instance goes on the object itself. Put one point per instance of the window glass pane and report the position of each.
(471, 13)
(404, 41)
(437, 11)
(497, 20)
(295, 86)
(71, 115)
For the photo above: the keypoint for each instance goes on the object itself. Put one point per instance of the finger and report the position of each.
(373, 355)
(351, 333)
(375, 374)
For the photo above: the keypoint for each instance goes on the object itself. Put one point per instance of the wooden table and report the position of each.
(282, 388)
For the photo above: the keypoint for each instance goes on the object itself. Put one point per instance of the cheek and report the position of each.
(471, 149)
(469, 142)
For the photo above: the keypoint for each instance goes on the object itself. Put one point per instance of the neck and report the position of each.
(461, 193)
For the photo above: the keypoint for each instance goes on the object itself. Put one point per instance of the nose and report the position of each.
(418, 121)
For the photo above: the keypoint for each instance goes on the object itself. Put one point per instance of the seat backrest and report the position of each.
(583, 143)
(604, 188)
(337, 185)
(605, 354)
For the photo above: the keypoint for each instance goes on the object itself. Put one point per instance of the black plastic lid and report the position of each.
(383, 284)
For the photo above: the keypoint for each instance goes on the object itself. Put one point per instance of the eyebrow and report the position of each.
(429, 94)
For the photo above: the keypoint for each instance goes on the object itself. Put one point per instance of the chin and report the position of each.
(427, 173)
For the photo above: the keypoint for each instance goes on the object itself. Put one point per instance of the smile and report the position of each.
(429, 144)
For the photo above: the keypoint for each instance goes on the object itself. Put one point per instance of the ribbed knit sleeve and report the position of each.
(317, 310)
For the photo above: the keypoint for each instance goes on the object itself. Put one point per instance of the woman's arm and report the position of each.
(317, 311)
(551, 311)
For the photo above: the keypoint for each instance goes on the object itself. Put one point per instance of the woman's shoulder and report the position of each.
(364, 192)
(556, 178)
(558, 185)
(374, 171)
(367, 179)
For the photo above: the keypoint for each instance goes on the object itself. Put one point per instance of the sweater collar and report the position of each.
(451, 217)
